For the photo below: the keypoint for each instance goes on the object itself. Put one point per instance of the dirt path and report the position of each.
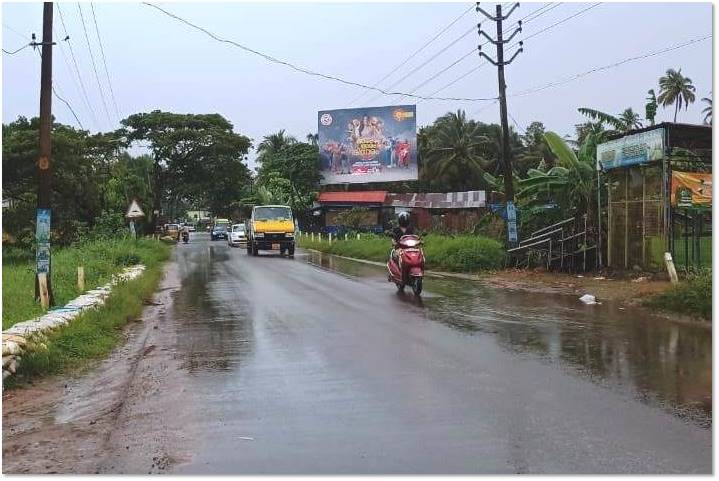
(66, 424)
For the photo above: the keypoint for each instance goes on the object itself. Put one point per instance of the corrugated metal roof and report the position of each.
(448, 200)
(359, 197)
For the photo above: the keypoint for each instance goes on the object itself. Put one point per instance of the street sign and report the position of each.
(134, 211)
(512, 222)
(42, 236)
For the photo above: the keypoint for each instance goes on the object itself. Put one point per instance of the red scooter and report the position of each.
(408, 269)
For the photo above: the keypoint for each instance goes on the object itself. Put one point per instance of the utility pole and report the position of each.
(505, 153)
(44, 193)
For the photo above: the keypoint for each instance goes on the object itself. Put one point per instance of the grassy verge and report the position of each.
(95, 332)
(692, 296)
(100, 259)
(460, 253)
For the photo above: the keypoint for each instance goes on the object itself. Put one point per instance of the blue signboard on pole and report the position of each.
(42, 236)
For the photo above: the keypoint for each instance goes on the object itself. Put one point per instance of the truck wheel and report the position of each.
(249, 248)
(291, 251)
(255, 250)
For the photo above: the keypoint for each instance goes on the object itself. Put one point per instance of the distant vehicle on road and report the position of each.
(191, 227)
(237, 236)
(271, 227)
(173, 230)
(219, 231)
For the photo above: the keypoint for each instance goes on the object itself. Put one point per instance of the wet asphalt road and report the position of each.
(317, 365)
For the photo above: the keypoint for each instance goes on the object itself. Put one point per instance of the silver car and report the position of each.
(237, 236)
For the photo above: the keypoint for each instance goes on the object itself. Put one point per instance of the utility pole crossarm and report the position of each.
(505, 17)
(489, 59)
(520, 50)
(490, 17)
(483, 33)
(516, 31)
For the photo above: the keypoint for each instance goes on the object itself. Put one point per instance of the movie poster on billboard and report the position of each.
(370, 144)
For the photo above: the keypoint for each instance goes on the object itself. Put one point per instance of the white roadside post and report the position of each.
(330, 238)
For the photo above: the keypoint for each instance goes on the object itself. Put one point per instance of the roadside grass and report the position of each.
(691, 296)
(100, 260)
(94, 333)
(459, 253)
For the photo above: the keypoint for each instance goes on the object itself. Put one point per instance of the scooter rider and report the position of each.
(404, 228)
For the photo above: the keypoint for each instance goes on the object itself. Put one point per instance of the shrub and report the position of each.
(693, 296)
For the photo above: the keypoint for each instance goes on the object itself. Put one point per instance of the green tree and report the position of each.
(453, 155)
(707, 111)
(676, 89)
(650, 109)
(197, 158)
(313, 139)
(273, 143)
(626, 121)
(292, 173)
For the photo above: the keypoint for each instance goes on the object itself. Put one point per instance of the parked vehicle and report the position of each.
(237, 237)
(173, 230)
(185, 236)
(271, 227)
(219, 231)
(191, 227)
(406, 267)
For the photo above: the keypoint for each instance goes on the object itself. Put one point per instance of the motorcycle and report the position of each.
(185, 237)
(408, 267)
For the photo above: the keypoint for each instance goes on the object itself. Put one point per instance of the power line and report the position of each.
(16, 32)
(16, 51)
(404, 62)
(77, 71)
(72, 111)
(104, 61)
(302, 69)
(512, 45)
(437, 54)
(94, 67)
(610, 66)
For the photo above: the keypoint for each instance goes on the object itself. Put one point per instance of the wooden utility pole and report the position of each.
(505, 154)
(44, 192)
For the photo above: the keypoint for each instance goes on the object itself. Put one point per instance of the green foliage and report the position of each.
(197, 157)
(692, 296)
(650, 109)
(624, 122)
(675, 88)
(461, 253)
(456, 152)
(707, 111)
(353, 218)
(100, 259)
(94, 333)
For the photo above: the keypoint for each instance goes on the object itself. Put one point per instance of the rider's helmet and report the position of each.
(403, 219)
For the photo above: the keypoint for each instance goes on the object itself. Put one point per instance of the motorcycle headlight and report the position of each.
(260, 234)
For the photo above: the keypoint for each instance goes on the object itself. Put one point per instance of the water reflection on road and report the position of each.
(658, 361)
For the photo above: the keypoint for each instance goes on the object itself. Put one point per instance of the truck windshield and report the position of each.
(273, 213)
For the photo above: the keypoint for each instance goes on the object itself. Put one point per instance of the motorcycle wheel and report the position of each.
(417, 286)
(400, 287)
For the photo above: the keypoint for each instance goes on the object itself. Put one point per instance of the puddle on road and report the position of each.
(657, 361)
(210, 337)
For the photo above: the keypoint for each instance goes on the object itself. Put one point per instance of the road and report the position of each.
(316, 365)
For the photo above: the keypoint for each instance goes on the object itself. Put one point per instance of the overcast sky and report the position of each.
(156, 62)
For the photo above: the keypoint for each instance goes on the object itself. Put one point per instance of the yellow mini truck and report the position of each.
(271, 228)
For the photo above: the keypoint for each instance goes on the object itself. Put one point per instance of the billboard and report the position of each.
(631, 149)
(371, 144)
(691, 189)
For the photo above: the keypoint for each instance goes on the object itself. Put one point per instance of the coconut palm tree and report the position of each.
(624, 122)
(274, 143)
(313, 139)
(650, 108)
(707, 110)
(453, 147)
(674, 88)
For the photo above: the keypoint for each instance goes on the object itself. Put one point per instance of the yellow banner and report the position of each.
(691, 188)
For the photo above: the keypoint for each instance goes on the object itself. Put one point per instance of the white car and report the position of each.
(191, 227)
(237, 237)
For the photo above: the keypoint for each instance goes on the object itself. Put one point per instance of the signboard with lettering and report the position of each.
(691, 189)
(512, 222)
(42, 236)
(634, 149)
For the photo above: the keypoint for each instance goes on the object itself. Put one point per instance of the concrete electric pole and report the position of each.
(505, 153)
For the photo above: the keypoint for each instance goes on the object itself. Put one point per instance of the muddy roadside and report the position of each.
(78, 423)
(629, 291)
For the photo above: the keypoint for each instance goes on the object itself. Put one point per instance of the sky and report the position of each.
(157, 62)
